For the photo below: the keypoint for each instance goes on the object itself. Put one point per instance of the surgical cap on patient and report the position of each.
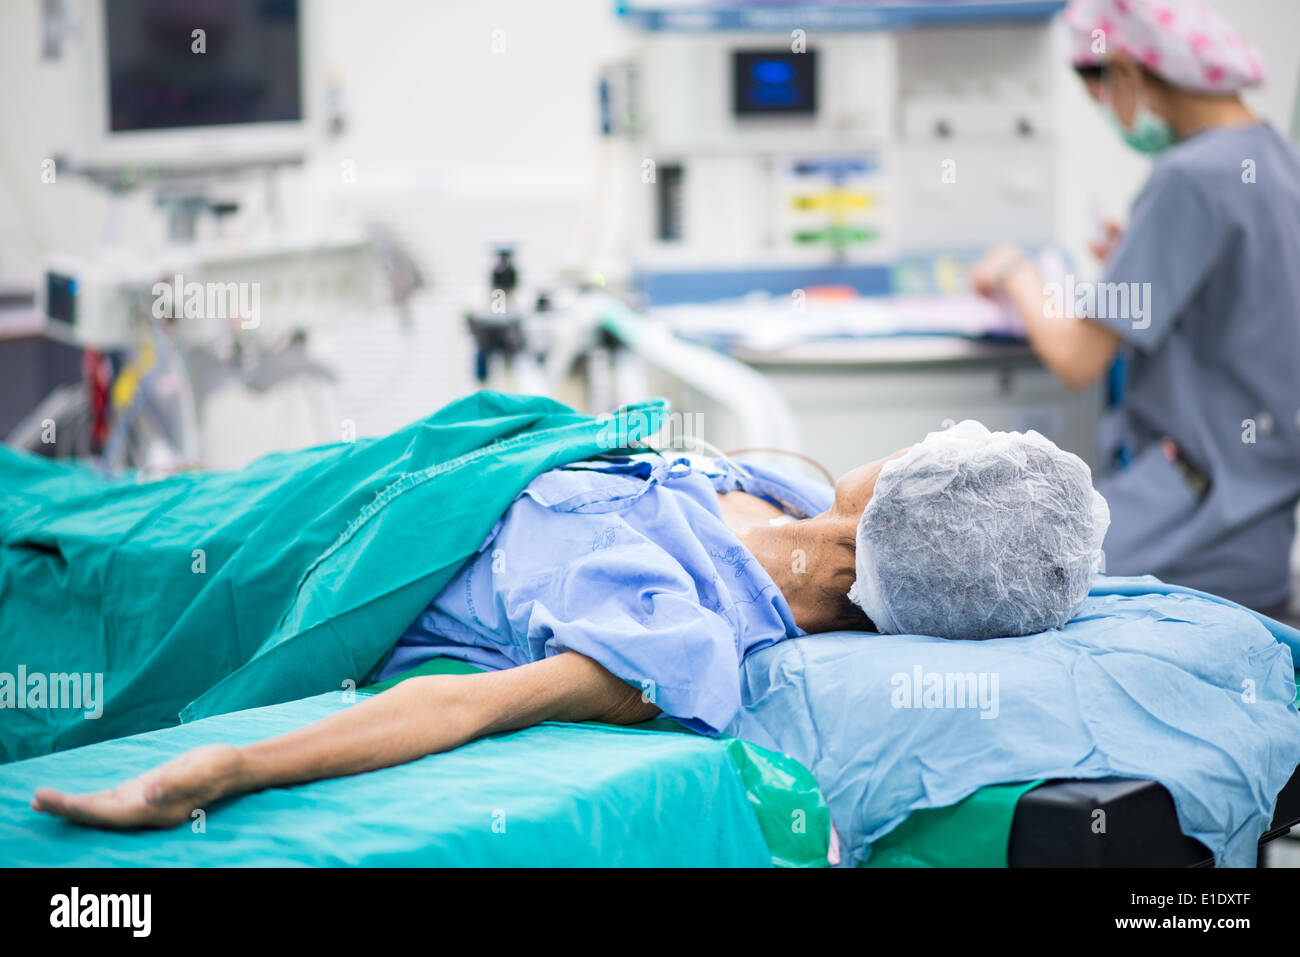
(977, 534)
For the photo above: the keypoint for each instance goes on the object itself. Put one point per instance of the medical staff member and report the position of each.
(1207, 435)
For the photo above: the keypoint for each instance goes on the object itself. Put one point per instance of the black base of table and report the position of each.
(1116, 822)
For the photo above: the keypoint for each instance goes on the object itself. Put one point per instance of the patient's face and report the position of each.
(854, 489)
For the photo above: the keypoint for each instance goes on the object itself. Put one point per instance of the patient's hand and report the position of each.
(162, 797)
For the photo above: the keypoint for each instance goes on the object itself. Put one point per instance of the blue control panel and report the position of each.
(830, 17)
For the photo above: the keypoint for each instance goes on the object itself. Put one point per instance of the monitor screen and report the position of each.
(243, 68)
(774, 82)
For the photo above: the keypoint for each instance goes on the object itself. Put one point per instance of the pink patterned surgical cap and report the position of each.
(1182, 41)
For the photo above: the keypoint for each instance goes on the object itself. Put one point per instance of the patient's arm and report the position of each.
(420, 716)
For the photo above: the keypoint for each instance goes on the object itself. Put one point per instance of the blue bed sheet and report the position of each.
(1148, 681)
(553, 795)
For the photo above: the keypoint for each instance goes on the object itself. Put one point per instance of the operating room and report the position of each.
(857, 434)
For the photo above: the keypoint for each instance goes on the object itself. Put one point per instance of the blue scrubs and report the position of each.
(629, 562)
(1215, 366)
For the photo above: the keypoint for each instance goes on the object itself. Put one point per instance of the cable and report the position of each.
(712, 449)
(799, 455)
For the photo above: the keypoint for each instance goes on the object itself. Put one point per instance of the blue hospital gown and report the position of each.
(629, 562)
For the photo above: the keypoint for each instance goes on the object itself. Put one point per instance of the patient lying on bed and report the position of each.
(620, 589)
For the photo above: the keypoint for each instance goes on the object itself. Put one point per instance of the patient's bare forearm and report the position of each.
(420, 716)
(435, 713)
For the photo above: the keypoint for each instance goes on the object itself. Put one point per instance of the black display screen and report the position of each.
(767, 82)
(61, 297)
(247, 70)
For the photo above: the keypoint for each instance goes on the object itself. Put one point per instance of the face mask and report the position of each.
(1149, 134)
